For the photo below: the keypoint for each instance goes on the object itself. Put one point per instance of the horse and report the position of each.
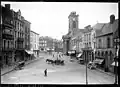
(48, 60)
(62, 62)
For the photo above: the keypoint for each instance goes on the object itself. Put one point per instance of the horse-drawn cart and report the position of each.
(20, 65)
(56, 62)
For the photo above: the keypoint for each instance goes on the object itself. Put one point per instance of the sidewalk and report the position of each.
(108, 73)
(11, 68)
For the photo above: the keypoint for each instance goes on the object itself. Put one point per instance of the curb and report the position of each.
(7, 72)
(110, 74)
(14, 69)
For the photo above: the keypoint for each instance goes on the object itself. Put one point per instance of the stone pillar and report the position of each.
(109, 62)
(13, 57)
(106, 62)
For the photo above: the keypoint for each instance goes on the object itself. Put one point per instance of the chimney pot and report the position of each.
(112, 19)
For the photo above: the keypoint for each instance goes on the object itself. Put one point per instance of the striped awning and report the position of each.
(98, 61)
(29, 52)
(113, 64)
(74, 48)
(79, 55)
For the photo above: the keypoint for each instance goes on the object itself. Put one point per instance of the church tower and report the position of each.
(73, 22)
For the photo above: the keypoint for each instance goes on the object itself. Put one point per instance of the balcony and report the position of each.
(8, 36)
(8, 24)
(20, 39)
(8, 48)
(20, 48)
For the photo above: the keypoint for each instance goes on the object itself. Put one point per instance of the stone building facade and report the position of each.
(19, 36)
(27, 34)
(71, 39)
(13, 36)
(7, 36)
(45, 43)
(105, 43)
(34, 43)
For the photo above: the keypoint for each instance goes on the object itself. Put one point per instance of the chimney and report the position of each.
(7, 6)
(112, 19)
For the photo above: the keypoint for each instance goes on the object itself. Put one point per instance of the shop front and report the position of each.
(100, 63)
(28, 55)
(7, 58)
(19, 55)
(72, 53)
(87, 54)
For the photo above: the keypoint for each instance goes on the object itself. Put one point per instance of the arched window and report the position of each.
(111, 55)
(74, 24)
(108, 42)
(98, 53)
(99, 43)
(95, 53)
(106, 53)
(102, 54)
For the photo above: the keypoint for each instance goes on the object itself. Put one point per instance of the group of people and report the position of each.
(55, 55)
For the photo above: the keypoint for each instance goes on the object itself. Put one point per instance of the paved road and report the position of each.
(70, 73)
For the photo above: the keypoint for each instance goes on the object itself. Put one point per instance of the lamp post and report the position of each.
(116, 40)
(86, 68)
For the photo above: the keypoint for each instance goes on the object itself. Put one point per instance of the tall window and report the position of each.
(69, 25)
(74, 24)
(6, 44)
(94, 44)
(108, 42)
(99, 46)
(89, 44)
(4, 41)
(89, 37)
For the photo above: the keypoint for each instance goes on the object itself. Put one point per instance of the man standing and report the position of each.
(45, 72)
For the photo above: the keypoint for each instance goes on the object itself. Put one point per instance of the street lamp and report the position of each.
(116, 40)
(86, 68)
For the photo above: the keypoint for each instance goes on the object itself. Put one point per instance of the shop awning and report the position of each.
(79, 55)
(74, 48)
(29, 52)
(71, 52)
(99, 61)
(113, 64)
(80, 59)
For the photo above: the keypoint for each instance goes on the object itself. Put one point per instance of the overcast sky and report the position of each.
(51, 18)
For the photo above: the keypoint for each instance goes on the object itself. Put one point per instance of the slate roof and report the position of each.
(107, 28)
(98, 26)
(115, 29)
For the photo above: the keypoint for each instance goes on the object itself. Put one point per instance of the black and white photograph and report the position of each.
(59, 43)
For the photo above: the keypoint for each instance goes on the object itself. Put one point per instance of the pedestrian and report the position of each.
(59, 56)
(53, 55)
(45, 72)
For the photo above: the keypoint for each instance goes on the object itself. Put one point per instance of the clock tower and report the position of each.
(73, 22)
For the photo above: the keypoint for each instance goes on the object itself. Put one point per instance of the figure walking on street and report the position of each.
(45, 72)
(53, 55)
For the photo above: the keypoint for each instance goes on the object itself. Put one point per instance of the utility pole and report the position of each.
(86, 68)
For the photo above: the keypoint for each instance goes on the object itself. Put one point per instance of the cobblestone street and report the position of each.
(70, 73)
